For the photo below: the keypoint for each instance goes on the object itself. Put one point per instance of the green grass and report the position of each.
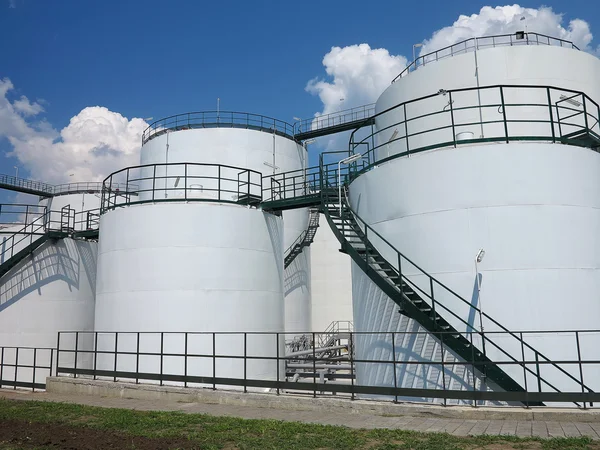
(208, 432)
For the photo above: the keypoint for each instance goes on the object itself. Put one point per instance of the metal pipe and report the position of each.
(316, 350)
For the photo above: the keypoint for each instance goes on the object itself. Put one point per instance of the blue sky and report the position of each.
(158, 58)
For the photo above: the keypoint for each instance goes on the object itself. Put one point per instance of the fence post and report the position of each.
(443, 367)
(34, 364)
(245, 362)
(394, 363)
(580, 366)
(314, 343)
(277, 355)
(214, 352)
(16, 367)
(95, 353)
(162, 349)
(185, 362)
(352, 369)
(537, 368)
(137, 359)
(76, 350)
(1, 366)
(57, 353)
(524, 371)
(115, 360)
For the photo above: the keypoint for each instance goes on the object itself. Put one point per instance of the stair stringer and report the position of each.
(373, 309)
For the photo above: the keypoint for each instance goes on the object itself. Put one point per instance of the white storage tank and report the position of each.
(523, 187)
(49, 291)
(189, 257)
(253, 142)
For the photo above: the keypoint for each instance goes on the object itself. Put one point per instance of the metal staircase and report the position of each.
(356, 239)
(304, 240)
(23, 242)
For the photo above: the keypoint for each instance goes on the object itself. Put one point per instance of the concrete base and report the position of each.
(82, 386)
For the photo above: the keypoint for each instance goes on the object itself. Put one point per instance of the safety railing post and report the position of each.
(504, 114)
(524, 371)
(452, 118)
(277, 359)
(162, 350)
(580, 365)
(34, 367)
(57, 353)
(95, 353)
(443, 367)
(154, 183)
(394, 366)
(185, 360)
(214, 360)
(352, 365)
(585, 117)
(473, 366)
(219, 183)
(537, 369)
(406, 130)
(16, 368)
(116, 356)
(314, 358)
(551, 115)
(245, 362)
(185, 183)
(76, 350)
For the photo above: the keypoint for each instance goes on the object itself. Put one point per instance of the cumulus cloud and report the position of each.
(508, 19)
(95, 143)
(356, 75)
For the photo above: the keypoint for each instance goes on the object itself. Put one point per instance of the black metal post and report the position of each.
(245, 362)
(57, 353)
(34, 364)
(352, 370)
(214, 352)
(162, 349)
(16, 367)
(537, 368)
(137, 359)
(580, 366)
(443, 367)
(551, 115)
(76, 349)
(95, 353)
(394, 363)
(504, 114)
(452, 119)
(314, 343)
(115, 360)
(185, 361)
(277, 354)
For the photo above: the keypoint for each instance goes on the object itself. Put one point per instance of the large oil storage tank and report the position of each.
(52, 288)
(189, 250)
(488, 144)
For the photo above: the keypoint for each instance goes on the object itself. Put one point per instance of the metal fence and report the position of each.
(399, 365)
(26, 367)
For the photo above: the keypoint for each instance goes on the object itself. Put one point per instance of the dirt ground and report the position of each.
(22, 434)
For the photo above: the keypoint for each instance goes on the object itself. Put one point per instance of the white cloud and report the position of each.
(357, 74)
(27, 108)
(506, 20)
(95, 143)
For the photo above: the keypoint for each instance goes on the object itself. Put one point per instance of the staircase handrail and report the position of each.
(432, 280)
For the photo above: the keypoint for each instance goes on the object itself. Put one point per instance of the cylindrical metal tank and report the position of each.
(255, 149)
(531, 205)
(197, 267)
(51, 290)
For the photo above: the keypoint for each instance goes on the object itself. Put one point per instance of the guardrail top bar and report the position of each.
(217, 119)
(518, 38)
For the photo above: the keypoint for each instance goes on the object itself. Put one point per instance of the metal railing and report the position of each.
(235, 359)
(217, 119)
(26, 367)
(24, 185)
(479, 43)
(292, 184)
(60, 221)
(181, 182)
(12, 214)
(335, 118)
(91, 187)
(501, 113)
